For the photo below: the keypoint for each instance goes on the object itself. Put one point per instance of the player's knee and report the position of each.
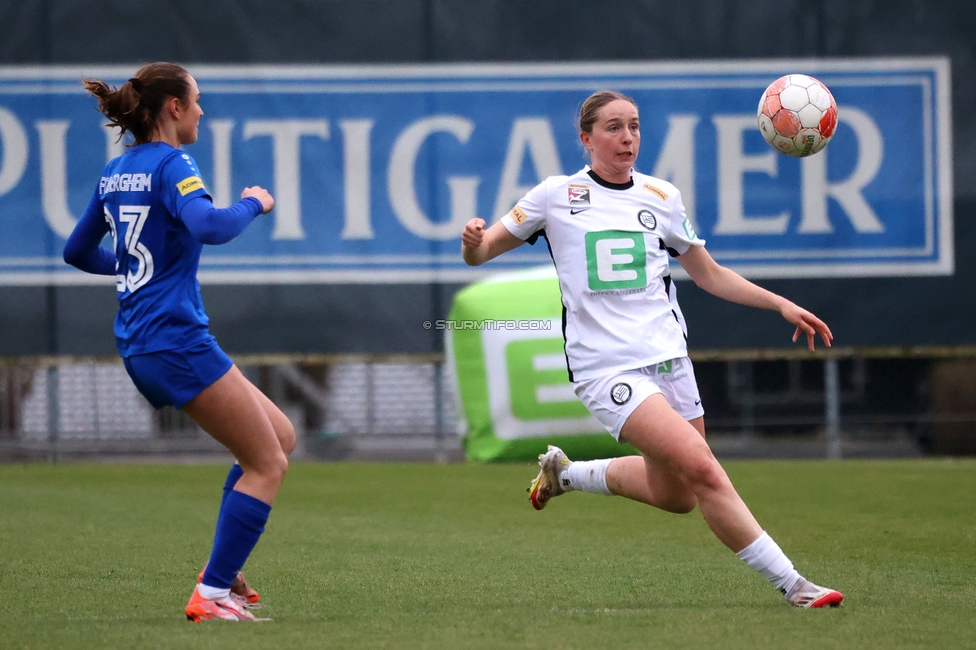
(680, 504)
(282, 466)
(286, 436)
(704, 473)
(274, 467)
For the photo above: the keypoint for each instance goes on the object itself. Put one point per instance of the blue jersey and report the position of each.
(138, 200)
(140, 196)
(153, 202)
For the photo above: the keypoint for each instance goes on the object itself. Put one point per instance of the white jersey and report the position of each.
(611, 245)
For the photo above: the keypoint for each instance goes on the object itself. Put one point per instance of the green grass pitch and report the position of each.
(453, 556)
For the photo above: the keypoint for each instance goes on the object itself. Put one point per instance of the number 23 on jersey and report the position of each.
(135, 218)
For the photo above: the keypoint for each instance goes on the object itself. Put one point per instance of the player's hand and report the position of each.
(474, 233)
(808, 324)
(262, 195)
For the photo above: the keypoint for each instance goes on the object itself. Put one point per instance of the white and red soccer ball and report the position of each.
(797, 115)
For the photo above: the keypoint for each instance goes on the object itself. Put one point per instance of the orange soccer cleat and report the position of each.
(240, 590)
(201, 609)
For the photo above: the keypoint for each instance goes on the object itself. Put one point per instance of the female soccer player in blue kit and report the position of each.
(155, 205)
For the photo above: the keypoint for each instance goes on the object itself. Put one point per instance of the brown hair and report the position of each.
(135, 106)
(593, 104)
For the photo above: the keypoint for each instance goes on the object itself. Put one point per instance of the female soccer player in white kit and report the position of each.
(611, 231)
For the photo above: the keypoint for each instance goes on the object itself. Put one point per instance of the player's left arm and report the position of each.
(189, 200)
(211, 225)
(729, 285)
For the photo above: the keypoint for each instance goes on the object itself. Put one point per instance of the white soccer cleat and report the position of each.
(547, 485)
(810, 596)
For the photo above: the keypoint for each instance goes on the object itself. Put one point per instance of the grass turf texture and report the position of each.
(428, 556)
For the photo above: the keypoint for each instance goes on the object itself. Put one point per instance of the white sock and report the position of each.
(213, 593)
(587, 476)
(765, 556)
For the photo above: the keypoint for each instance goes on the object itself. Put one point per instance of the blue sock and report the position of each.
(239, 527)
(233, 476)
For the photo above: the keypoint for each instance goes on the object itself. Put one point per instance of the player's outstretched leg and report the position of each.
(660, 433)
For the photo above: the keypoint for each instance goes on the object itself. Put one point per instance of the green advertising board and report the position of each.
(505, 350)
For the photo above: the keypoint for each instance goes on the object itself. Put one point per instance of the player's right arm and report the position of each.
(83, 249)
(525, 221)
(479, 245)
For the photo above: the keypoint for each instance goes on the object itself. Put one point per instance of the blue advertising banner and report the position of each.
(376, 169)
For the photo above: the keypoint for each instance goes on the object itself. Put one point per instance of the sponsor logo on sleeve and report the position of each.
(190, 184)
(579, 194)
(517, 215)
(653, 190)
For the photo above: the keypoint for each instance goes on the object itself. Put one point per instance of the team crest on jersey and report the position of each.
(653, 190)
(620, 393)
(190, 184)
(579, 194)
(647, 219)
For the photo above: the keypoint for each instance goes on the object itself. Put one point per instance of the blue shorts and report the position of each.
(174, 377)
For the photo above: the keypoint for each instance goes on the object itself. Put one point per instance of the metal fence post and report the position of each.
(370, 397)
(440, 455)
(832, 408)
(53, 414)
(746, 383)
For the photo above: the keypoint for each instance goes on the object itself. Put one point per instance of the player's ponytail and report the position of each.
(135, 106)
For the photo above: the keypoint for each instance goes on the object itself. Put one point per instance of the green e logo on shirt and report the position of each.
(616, 259)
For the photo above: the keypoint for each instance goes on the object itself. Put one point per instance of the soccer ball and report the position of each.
(797, 115)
